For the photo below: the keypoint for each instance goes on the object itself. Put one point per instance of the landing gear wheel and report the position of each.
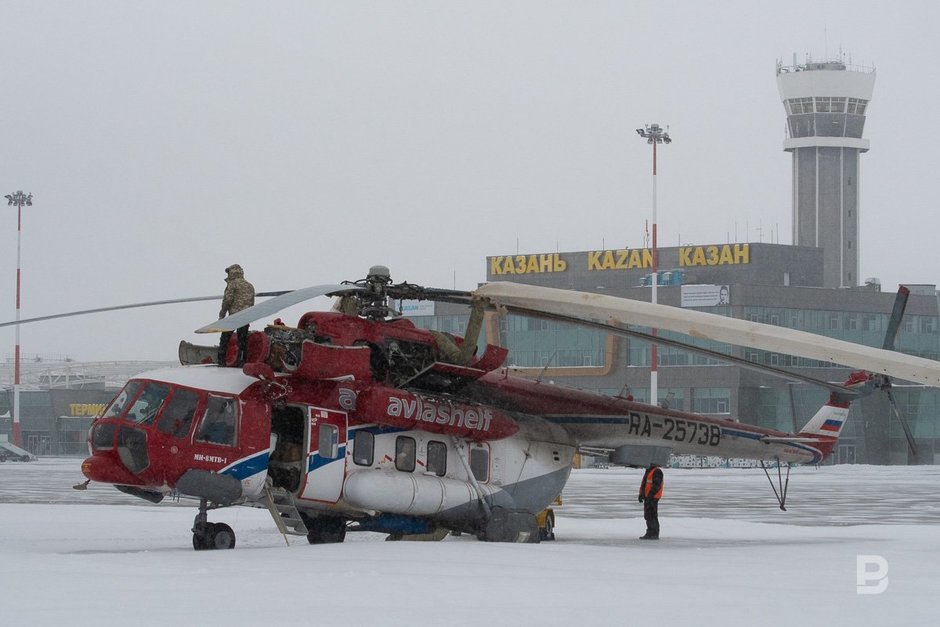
(207, 535)
(199, 542)
(212, 536)
(221, 536)
(510, 525)
(325, 530)
(547, 532)
(201, 535)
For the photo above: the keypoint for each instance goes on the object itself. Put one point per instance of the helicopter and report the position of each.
(357, 420)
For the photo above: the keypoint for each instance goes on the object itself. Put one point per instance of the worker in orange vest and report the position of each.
(651, 490)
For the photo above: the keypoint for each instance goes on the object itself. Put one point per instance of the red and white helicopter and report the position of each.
(357, 420)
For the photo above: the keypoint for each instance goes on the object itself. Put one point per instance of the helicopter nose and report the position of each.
(107, 469)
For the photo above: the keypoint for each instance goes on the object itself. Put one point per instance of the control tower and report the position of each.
(825, 104)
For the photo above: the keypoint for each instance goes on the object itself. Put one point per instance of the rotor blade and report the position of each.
(410, 291)
(582, 305)
(691, 348)
(894, 322)
(172, 301)
(897, 414)
(273, 306)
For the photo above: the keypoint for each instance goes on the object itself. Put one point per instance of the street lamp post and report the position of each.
(19, 199)
(654, 134)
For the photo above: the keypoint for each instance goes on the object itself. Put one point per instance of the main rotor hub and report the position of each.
(375, 300)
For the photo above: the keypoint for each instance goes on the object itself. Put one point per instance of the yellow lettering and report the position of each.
(726, 258)
(622, 259)
(647, 258)
(85, 409)
(636, 260)
(609, 262)
(712, 255)
(594, 260)
(527, 264)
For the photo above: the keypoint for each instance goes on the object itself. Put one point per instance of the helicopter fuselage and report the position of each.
(371, 423)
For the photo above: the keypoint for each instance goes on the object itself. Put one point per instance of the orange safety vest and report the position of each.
(648, 484)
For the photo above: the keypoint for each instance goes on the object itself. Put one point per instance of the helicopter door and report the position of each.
(326, 457)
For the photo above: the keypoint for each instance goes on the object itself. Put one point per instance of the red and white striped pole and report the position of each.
(654, 357)
(19, 199)
(654, 134)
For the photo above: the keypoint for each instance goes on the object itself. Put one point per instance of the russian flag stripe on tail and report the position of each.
(832, 425)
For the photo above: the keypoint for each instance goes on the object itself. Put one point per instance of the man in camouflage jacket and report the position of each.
(239, 294)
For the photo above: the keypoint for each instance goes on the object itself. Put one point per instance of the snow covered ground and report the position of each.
(728, 556)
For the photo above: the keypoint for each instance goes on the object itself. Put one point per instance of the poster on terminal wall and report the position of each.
(705, 295)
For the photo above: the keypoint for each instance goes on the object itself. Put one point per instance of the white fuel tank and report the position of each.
(405, 493)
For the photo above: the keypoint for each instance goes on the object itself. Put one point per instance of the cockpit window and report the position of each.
(119, 404)
(218, 423)
(148, 403)
(179, 412)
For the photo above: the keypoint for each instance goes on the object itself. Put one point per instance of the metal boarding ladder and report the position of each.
(284, 512)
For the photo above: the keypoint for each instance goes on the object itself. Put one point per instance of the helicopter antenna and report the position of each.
(538, 379)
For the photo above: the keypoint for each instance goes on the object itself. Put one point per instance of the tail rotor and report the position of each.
(884, 382)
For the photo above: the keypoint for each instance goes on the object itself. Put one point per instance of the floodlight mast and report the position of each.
(19, 199)
(654, 134)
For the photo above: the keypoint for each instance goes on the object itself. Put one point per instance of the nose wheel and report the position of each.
(210, 536)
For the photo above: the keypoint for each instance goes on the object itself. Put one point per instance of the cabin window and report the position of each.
(132, 449)
(102, 437)
(437, 458)
(405, 448)
(120, 402)
(363, 448)
(218, 423)
(329, 441)
(179, 413)
(480, 463)
(148, 403)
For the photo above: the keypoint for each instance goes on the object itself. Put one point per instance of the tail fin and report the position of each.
(827, 424)
(828, 421)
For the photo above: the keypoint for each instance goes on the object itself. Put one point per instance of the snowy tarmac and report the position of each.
(728, 556)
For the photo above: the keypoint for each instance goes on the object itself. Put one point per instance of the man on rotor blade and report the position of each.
(239, 294)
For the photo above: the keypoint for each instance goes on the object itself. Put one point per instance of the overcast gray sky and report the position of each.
(163, 141)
